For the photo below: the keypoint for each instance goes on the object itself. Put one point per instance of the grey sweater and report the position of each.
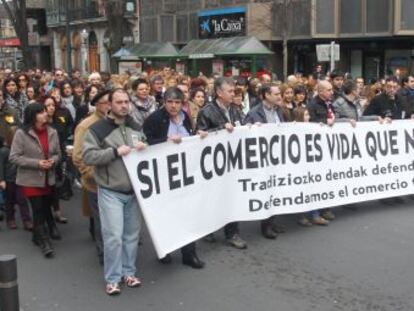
(100, 150)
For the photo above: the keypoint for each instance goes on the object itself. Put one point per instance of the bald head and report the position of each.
(325, 91)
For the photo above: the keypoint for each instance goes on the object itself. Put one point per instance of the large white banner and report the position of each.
(191, 189)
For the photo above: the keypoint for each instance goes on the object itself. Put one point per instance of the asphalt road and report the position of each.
(361, 261)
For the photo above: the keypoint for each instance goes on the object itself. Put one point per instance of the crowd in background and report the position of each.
(52, 129)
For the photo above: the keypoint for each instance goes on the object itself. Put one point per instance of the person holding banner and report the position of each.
(321, 110)
(171, 123)
(106, 142)
(268, 111)
(219, 114)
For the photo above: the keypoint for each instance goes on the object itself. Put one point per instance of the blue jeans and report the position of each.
(121, 224)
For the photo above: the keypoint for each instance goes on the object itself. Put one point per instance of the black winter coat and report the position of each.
(382, 105)
(211, 117)
(157, 124)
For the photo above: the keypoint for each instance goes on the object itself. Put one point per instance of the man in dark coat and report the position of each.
(172, 123)
(268, 111)
(406, 97)
(221, 113)
(386, 105)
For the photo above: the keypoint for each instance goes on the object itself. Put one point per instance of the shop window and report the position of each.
(149, 29)
(407, 20)
(325, 17)
(378, 16)
(167, 28)
(182, 28)
(351, 13)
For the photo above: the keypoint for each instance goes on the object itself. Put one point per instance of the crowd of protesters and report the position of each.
(58, 131)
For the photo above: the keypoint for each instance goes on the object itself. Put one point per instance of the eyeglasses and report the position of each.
(22, 79)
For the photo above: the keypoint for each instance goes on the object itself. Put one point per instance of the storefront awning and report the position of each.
(152, 50)
(122, 52)
(236, 46)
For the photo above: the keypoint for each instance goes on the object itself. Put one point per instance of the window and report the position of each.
(226, 2)
(149, 29)
(407, 20)
(193, 26)
(300, 18)
(182, 28)
(351, 13)
(147, 7)
(325, 11)
(211, 3)
(170, 6)
(167, 28)
(182, 5)
(195, 4)
(277, 18)
(378, 19)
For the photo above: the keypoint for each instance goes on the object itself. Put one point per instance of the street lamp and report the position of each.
(84, 56)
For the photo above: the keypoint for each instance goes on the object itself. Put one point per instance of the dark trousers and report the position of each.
(93, 204)
(231, 229)
(14, 195)
(188, 250)
(267, 222)
(41, 209)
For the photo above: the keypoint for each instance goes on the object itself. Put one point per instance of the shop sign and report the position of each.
(9, 42)
(220, 23)
(201, 55)
(133, 68)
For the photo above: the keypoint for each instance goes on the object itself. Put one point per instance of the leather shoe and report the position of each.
(193, 261)
(166, 260)
(268, 233)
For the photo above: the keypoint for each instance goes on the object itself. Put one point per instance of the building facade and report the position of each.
(38, 35)
(90, 46)
(375, 36)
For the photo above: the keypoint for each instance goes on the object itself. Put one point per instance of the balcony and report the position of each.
(58, 17)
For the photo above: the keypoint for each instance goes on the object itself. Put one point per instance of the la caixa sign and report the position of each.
(228, 22)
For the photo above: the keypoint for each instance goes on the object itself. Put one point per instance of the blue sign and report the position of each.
(220, 23)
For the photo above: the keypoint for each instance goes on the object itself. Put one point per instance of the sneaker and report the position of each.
(112, 289)
(320, 221)
(304, 222)
(132, 281)
(237, 242)
(328, 215)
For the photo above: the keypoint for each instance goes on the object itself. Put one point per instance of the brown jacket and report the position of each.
(87, 172)
(26, 152)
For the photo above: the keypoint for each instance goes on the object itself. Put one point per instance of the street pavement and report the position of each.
(362, 261)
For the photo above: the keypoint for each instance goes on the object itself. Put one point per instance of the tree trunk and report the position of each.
(17, 15)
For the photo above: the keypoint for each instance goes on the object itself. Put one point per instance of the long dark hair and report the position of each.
(7, 81)
(30, 113)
